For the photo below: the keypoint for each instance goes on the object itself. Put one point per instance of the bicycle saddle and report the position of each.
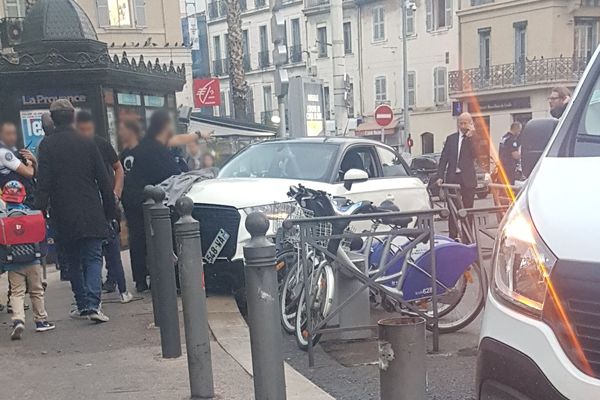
(389, 206)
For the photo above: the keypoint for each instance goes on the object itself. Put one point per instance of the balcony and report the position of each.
(218, 9)
(263, 59)
(220, 67)
(295, 54)
(530, 72)
(316, 3)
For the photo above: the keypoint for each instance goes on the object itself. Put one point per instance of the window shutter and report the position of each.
(449, 13)
(103, 17)
(140, 12)
(429, 13)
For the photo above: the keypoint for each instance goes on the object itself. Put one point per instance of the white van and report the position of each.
(540, 337)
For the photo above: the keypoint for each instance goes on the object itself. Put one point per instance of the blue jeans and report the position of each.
(114, 265)
(84, 257)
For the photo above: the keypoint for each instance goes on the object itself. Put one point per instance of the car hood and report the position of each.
(247, 192)
(563, 203)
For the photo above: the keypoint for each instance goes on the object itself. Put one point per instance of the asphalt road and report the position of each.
(347, 370)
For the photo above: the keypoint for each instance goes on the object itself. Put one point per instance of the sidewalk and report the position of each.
(118, 360)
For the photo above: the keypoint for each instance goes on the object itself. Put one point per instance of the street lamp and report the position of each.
(409, 5)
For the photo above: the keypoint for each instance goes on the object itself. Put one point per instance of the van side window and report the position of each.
(391, 164)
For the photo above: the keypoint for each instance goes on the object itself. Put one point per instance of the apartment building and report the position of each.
(513, 52)
(151, 28)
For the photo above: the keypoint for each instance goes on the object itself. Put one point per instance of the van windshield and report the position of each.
(587, 141)
(302, 161)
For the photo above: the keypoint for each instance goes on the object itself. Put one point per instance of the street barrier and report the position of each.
(149, 202)
(266, 338)
(164, 264)
(193, 296)
(402, 371)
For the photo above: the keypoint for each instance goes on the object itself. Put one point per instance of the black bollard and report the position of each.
(164, 265)
(149, 202)
(193, 296)
(263, 311)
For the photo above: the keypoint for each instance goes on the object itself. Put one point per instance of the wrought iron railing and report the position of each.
(529, 72)
(295, 53)
(263, 59)
(315, 3)
(220, 67)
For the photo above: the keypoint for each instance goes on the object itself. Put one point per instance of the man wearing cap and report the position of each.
(71, 175)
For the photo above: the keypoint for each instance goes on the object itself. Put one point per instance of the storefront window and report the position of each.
(129, 99)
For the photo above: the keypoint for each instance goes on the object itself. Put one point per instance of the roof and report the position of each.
(229, 127)
(57, 20)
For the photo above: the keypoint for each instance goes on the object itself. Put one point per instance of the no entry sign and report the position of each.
(384, 115)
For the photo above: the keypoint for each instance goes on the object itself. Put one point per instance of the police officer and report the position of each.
(19, 165)
(510, 152)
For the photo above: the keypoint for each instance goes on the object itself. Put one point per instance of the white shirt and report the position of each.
(8, 161)
(460, 140)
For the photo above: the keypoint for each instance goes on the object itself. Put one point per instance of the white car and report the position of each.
(259, 177)
(540, 336)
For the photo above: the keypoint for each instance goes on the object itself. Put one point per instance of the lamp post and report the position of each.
(407, 5)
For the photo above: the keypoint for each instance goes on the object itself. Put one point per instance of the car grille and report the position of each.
(577, 289)
(214, 218)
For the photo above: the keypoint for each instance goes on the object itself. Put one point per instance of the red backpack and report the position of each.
(22, 236)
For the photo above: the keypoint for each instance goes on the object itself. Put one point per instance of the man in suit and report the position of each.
(457, 165)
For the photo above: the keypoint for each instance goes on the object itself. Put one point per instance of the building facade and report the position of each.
(136, 27)
(513, 52)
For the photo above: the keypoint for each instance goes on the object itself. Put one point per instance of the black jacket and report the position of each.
(449, 160)
(153, 163)
(72, 179)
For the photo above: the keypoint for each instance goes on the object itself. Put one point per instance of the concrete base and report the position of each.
(357, 312)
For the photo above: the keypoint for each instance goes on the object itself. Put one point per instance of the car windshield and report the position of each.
(303, 161)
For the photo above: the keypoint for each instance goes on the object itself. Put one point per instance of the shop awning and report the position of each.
(371, 128)
(228, 128)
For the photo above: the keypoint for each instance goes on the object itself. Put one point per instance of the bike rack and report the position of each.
(422, 231)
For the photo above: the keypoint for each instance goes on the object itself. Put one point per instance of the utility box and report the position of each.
(306, 107)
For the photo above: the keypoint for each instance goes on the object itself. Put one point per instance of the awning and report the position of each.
(226, 131)
(371, 128)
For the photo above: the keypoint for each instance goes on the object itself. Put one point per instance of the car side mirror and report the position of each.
(534, 139)
(353, 176)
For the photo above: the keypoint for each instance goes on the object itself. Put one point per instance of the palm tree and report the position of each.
(237, 76)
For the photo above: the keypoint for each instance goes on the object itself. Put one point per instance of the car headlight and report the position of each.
(522, 262)
(275, 211)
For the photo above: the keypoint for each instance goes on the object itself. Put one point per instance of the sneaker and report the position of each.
(43, 326)
(126, 297)
(98, 316)
(109, 287)
(18, 328)
(76, 314)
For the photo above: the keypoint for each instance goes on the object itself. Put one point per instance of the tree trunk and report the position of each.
(235, 49)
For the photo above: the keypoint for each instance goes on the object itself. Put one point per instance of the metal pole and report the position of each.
(282, 119)
(382, 135)
(164, 259)
(402, 372)
(266, 339)
(193, 297)
(149, 202)
(405, 73)
(339, 66)
(434, 286)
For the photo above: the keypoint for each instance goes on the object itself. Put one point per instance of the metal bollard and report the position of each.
(193, 296)
(164, 265)
(149, 202)
(402, 372)
(266, 339)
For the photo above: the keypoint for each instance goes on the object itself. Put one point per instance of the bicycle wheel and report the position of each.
(289, 297)
(285, 259)
(322, 287)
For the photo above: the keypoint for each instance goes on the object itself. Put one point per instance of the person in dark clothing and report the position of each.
(457, 165)
(72, 179)
(112, 246)
(153, 164)
(559, 100)
(509, 152)
(130, 134)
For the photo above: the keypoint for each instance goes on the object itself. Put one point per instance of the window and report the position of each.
(391, 164)
(586, 37)
(440, 94)
(217, 47)
(322, 41)
(267, 99)
(427, 143)
(410, 22)
(246, 50)
(480, 2)
(439, 14)
(118, 13)
(484, 52)
(520, 49)
(378, 23)
(411, 79)
(15, 8)
(263, 55)
(296, 40)
(380, 90)
(327, 102)
(347, 38)
(222, 107)
(362, 158)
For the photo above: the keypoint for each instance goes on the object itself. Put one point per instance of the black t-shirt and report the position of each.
(126, 159)
(109, 157)
(508, 145)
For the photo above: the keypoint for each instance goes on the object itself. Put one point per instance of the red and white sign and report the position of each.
(384, 115)
(207, 92)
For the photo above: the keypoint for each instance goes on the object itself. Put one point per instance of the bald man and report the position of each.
(457, 165)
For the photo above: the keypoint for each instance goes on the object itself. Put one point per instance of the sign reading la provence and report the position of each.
(47, 99)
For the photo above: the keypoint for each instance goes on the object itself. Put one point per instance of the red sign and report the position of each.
(384, 115)
(207, 92)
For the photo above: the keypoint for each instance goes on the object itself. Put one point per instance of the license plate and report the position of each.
(216, 246)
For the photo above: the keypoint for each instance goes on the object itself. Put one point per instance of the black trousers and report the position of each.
(137, 242)
(468, 199)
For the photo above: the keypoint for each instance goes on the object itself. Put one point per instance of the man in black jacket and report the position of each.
(72, 179)
(457, 165)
